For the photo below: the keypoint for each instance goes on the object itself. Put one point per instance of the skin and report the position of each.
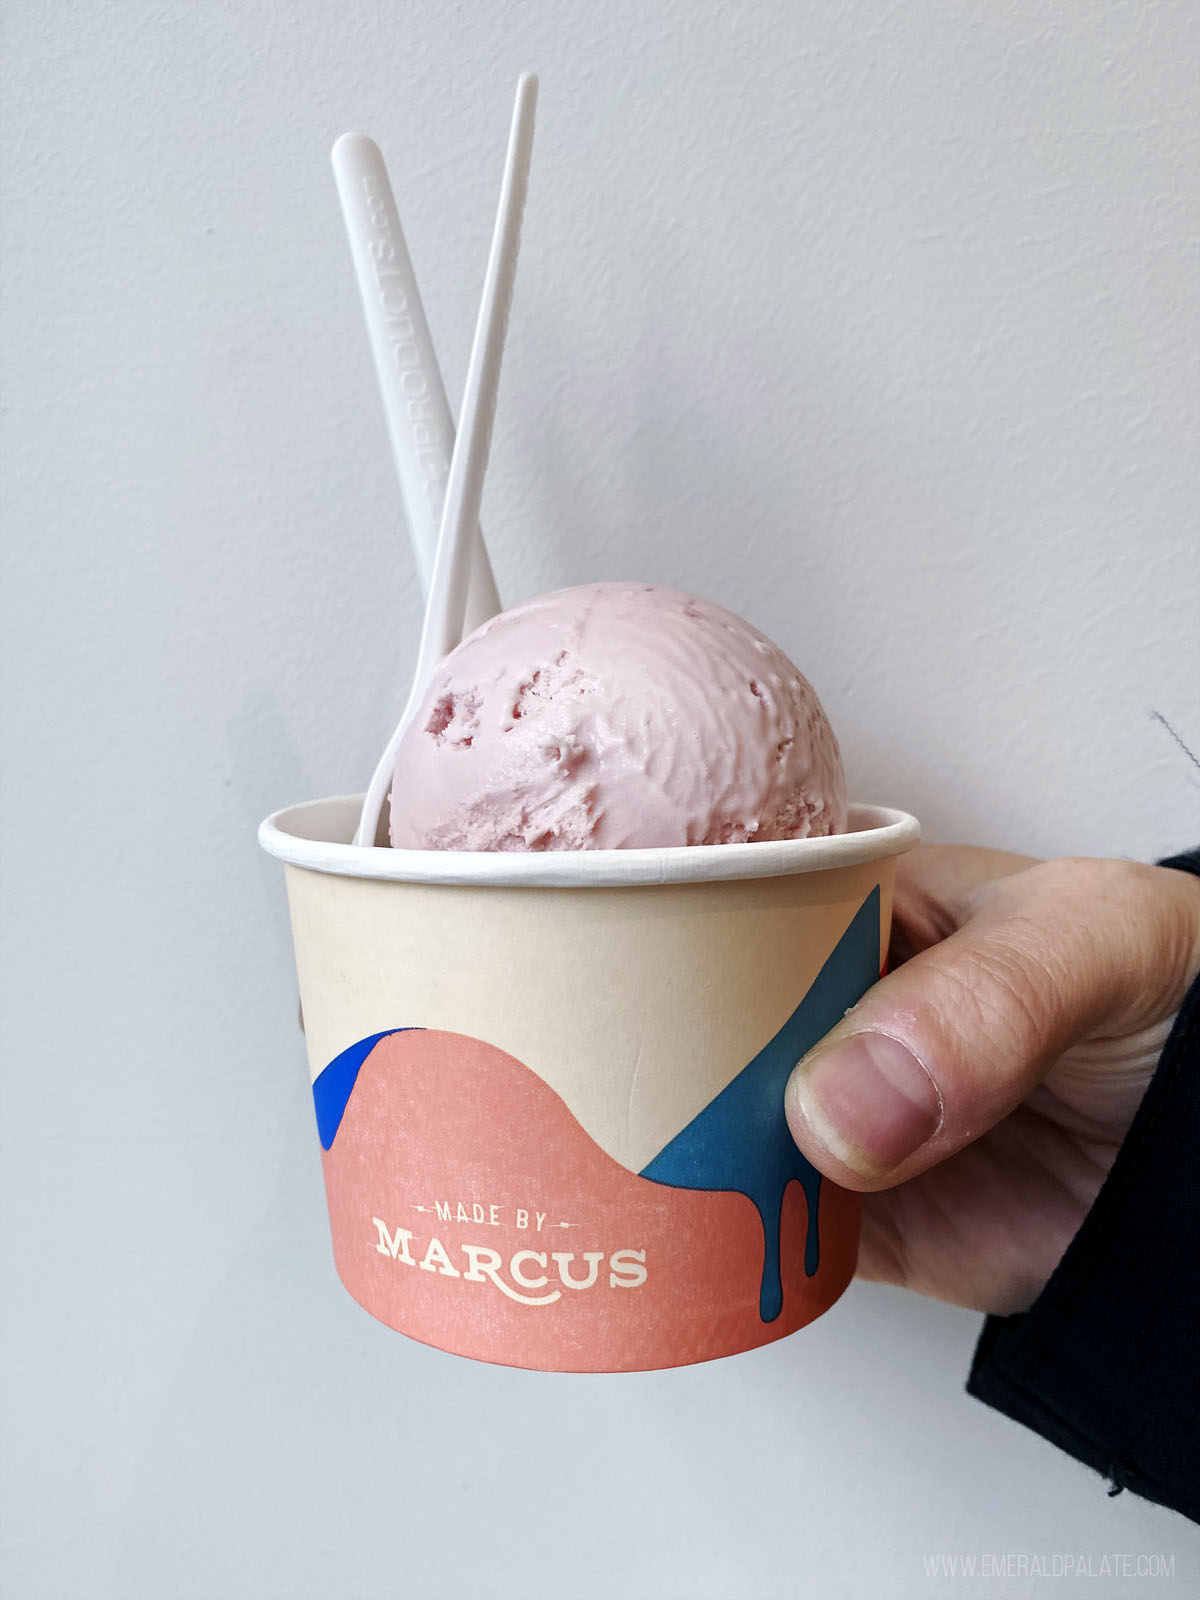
(1038, 997)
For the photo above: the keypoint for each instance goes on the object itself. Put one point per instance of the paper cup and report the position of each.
(549, 1087)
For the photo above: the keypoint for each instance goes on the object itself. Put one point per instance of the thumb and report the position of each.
(943, 1048)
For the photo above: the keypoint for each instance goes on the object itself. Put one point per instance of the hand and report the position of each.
(979, 1093)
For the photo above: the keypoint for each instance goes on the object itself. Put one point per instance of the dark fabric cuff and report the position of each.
(1106, 1362)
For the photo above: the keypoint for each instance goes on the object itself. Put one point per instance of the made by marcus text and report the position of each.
(531, 1277)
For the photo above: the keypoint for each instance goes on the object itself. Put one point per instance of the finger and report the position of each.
(937, 888)
(954, 873)
(943, 1048)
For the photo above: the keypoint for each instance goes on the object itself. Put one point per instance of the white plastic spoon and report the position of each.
(410, 381)
(468, 464)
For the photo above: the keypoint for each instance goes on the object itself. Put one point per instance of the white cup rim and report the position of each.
(316, 835)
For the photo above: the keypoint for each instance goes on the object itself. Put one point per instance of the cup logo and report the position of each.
(471, 1210)
(626, 1268)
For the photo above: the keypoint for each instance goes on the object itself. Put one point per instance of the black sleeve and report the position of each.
(1106, 1362)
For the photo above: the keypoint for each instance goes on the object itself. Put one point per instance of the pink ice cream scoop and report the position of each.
(615, 715)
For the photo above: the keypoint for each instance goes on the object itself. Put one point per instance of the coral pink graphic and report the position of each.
(471, 1211)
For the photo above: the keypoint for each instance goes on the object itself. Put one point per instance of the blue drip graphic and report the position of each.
(333, 1084)
(740, 1141)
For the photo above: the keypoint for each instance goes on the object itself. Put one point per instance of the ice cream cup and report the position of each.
(549, 1087)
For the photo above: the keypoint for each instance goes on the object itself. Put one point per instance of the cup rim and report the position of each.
(315, 835)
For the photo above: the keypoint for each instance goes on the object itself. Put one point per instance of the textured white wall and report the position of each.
(876, 322)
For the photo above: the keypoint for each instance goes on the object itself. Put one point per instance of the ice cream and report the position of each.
(615, 715)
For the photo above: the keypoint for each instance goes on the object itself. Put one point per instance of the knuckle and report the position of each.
(1120, 929)
(1018, 986)
(1085, 880)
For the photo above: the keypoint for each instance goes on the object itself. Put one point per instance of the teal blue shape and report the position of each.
(741, 1142)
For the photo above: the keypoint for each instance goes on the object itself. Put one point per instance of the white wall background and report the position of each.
(878, 323)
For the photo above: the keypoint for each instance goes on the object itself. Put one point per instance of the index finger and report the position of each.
(938, 886)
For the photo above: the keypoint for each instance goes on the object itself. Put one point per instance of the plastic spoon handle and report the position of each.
(468, 464)
(410, 381)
